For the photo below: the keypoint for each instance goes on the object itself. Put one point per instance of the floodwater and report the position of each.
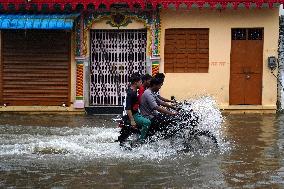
(75, 151)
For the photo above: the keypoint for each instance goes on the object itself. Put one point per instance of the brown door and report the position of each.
(246, 66)
(35, 68)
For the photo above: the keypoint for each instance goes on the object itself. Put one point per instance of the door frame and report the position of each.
(106, 107)
(261, 70)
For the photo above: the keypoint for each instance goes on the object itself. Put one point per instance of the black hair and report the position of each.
(135, 77)
(160, 76)
(155, 81)
(146, 77)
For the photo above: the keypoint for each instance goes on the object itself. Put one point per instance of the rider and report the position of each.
(136, 119)
(151, 105)
(161, 76)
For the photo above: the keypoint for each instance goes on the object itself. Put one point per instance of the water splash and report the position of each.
(97, 142)
(210, 118)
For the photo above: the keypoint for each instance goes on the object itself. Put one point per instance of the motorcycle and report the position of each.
(182, 127)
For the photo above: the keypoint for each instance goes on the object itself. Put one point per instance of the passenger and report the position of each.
(151, 106)
(146, 79)
(136, 119)
(145, 85)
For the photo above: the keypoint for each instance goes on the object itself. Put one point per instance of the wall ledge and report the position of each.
(248, 107)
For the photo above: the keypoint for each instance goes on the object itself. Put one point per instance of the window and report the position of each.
(247, 33)
(187, 50)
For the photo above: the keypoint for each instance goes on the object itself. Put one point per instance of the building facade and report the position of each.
(75, 56)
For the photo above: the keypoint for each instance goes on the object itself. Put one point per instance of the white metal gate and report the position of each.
(115, 55)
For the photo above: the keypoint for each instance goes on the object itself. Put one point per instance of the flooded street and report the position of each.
(74, 151)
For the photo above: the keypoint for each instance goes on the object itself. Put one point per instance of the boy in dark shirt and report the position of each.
(136, 119)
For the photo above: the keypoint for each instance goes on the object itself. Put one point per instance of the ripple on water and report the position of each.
(80, 153)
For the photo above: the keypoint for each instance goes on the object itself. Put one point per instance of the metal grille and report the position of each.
(255, 34)
(239, 34)
(247, 34)
(115, 55)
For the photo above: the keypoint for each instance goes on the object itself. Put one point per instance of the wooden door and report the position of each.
(246, 66)
(35, 68)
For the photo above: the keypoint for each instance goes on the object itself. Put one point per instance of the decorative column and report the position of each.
(80, 60)
(155, 64)
(79, 102)
(155, 47)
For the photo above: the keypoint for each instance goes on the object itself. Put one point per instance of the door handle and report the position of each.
(247, 76)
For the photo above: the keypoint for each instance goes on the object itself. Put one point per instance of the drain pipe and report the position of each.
(280, 84)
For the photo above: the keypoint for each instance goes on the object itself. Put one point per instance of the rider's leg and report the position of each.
(144, 123)
(162, 123)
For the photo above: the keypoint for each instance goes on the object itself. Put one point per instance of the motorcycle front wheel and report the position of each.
(200, 141)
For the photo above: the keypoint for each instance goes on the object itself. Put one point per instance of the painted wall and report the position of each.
(220, 22)
(103, 25)
(216, 82)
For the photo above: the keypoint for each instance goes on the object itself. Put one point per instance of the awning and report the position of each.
(86, 4)
(37, 21)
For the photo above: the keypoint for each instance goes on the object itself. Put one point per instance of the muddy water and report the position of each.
(57, 151)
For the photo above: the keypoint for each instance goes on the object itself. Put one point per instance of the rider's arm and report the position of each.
(131, 118)
(164, 111)
(162, 103)
(153, 103)
(164, 99)
(128, 108)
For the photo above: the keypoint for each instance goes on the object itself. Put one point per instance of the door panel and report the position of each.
(254, 56)
(237, 92)
(252, 89)
(238, 56)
